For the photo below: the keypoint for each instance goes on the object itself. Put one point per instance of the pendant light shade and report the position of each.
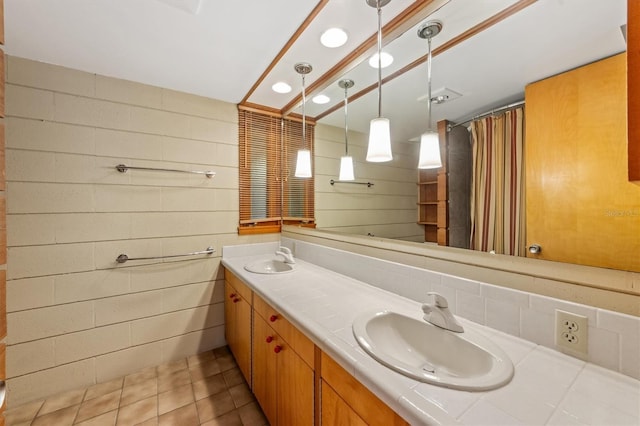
(379, 149)
(429, 151)
(303, 162)
(346, 168)
(429, 141)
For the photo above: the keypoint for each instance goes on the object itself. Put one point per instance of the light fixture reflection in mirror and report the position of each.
(429, 141)
(346, 161)
(429, 151)
(379, 148)
(385, 60)
(303, 163)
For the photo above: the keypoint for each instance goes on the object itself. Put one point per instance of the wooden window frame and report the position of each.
(282, 139)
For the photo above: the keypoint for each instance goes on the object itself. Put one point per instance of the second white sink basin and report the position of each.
(420, 350)
(271, 266)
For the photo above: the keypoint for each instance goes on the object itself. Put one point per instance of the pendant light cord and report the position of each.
(304, 124)
(346, 124)
(379, 60)
(429, 84)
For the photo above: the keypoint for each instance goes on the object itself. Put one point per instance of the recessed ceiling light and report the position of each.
(281, 87)
(387, 60)
(333, 37)
(321, 99)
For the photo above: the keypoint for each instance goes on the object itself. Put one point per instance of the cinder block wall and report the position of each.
(387, 209)
(75, 317)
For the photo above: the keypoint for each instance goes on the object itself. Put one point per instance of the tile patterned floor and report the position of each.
(206, 389)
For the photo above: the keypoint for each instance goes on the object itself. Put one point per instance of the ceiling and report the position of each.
(235, 51)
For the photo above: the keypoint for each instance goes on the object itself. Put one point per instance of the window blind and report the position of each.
(270, 194)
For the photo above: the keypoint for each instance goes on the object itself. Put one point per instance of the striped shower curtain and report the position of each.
(497, 192)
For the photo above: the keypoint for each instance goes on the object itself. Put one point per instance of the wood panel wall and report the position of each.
(3, 226)
(633, 88)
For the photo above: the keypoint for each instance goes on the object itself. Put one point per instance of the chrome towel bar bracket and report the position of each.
(124, 258)
(122, 168)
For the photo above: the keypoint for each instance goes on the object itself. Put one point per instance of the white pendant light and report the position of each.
(429, 141)
(429, 151)
(346, 161)
(303, 163)
(379, 148)
(346, 168)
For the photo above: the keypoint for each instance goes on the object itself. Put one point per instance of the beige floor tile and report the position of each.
(209, 386)
(106, 419)
(201, 357)
(215, 406)
(103, 389)
(229, 419)
(241, 394)
(171, 367)
(233, 377)
(173, 380)
(140, 376)
(184, 416)
(204, 369)
(251, 415)
(64, 417)
(142, 390)
(100, 405)
(226, 362)
(175, 398)
(23, 413)
(138, 412)
(162, 395)
(221, 351)
(63, 400)
(150, 422)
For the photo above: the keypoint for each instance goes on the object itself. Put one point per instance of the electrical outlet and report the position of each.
(572, 332)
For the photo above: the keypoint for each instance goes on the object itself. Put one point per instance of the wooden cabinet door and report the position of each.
(237, 328)
(295, 389)
(229, 317)
(335, 411)
(580, 206)
(264, 367)
(356, 396)
(243, 337)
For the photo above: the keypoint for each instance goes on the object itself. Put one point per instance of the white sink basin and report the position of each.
(420, 350)
(269, 267)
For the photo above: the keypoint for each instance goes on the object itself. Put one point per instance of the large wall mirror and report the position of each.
(484, 57)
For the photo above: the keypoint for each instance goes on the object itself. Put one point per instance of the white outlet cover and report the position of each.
(572, 333)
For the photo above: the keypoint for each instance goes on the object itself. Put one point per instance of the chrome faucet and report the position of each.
(286, 253)
(437, 313)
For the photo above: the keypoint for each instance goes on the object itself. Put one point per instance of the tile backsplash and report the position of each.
(614, 338)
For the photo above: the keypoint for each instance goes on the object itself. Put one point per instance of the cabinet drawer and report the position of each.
(290, 334)
(361, 400)
(238, 285)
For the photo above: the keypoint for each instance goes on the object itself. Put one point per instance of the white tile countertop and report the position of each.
(548, 387)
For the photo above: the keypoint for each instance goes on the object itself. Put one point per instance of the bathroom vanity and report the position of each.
(292, 336)
(293, 380)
